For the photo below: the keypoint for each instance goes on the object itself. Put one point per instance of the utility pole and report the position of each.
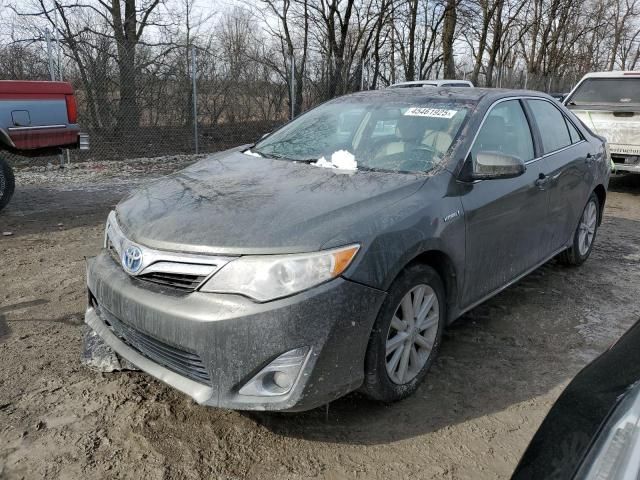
(47, 36)
(195, 98)
(292, 63)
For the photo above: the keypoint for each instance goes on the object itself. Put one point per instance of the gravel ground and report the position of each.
(501, 366)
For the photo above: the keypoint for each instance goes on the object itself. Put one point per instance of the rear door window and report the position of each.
(552, 125)
(505, 130)
(573, 132)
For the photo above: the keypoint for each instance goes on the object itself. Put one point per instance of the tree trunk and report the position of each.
(126, 36)
(128, 113)
(448, 35)
(482, 44)
(410, 62)
(495, 43)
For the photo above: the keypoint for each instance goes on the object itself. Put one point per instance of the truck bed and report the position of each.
(37, 117)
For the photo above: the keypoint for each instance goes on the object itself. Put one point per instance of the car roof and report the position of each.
(430, 82)
(615, 74)
(443, 94)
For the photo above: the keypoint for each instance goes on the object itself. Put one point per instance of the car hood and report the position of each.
(235, 204)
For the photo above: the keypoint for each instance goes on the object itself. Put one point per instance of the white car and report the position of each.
(609, 104)
(433, 83)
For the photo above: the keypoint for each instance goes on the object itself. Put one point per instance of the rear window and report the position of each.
(620, 91)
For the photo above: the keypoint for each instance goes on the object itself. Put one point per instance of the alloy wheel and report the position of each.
(587, 227)
(412, 334)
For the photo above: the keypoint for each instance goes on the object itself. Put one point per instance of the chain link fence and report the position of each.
(203, 107)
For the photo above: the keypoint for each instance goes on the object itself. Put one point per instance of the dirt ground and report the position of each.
(500, 369)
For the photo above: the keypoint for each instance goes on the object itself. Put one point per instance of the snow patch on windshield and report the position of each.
(340, 160)
(252, 154)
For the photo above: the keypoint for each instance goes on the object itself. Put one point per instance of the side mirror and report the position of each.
(488, 165)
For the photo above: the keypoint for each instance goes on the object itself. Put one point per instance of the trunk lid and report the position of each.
(621, 128)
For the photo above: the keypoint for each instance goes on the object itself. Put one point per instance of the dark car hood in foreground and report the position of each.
(232, 203)
(558, 448)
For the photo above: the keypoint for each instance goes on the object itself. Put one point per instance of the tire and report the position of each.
(7, 183)
(578, 252)
(379, 383)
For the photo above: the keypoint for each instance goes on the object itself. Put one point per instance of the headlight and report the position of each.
(267, 277)
(616, 452)
(113, 236)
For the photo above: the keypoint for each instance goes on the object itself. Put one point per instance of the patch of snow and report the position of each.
(340, 160)
(252, 154)
(323, 162)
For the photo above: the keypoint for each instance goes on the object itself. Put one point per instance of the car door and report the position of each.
(504, 217)
(567, 171)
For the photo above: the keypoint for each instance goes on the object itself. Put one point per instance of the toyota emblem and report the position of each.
(132, 259)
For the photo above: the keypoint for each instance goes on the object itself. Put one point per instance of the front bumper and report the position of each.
(234, 337)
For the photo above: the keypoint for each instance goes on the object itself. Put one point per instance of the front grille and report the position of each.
(180, 281)
(180, 361)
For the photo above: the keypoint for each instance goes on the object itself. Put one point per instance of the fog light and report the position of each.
(279, 376)
(282, 380)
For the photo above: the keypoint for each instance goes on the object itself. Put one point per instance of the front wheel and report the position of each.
(585, 235)
(406, 335)
(7, 183)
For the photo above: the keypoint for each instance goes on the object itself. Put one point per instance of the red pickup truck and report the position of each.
(36, 119)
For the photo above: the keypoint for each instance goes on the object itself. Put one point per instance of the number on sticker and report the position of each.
(430, 112)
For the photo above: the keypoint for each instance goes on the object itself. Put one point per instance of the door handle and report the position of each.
(542, 180)
(589, 157)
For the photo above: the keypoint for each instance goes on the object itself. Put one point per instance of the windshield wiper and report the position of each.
(374, 169)
(305, 160)
(274, 156)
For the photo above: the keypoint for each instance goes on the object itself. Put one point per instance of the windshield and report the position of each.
(593, 91)
(400, 137)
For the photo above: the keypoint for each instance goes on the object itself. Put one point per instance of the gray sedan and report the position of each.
(330, 256)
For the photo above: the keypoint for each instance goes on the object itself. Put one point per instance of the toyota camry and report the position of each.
(330, 256)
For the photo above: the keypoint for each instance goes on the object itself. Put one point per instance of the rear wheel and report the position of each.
(585, 235)
(406, 335)
(7, 183)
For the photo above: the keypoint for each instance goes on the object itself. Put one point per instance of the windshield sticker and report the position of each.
(430, 112)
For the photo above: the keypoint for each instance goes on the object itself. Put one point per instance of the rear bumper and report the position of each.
(34, 138)
(625, 163)
(234, 338)
(627, 168)
(43, 140)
